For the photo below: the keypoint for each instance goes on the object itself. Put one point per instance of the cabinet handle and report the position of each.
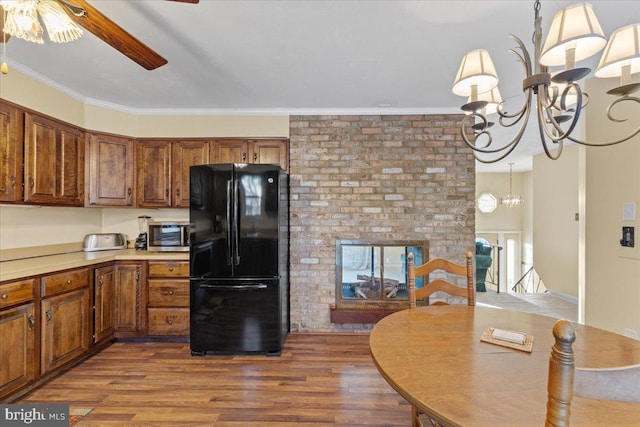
(178, 192)
(129, 191)
(137, 276)
(5, 296)
(13, 181)
(244, 157)
(170, 321)
(32, 321)
(49, 315)
(255, 157)
(31, 182)
(100, 282)
(167, 192)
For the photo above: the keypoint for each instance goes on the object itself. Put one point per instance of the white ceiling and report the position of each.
(298, 57)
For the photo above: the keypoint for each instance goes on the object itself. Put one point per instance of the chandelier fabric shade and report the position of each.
(476, 74)
(573, 28)
(623, 49)
(22, 21)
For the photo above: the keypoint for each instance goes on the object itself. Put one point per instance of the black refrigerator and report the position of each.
(239, 259)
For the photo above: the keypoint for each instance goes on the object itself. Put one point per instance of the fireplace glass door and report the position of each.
(374, 274)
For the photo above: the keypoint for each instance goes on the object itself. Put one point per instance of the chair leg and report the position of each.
(415, 417)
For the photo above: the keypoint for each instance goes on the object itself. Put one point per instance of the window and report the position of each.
(487, 203)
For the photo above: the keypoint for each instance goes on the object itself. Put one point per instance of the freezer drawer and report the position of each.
(232, 317)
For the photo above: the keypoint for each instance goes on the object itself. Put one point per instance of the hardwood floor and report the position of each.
(320, 380)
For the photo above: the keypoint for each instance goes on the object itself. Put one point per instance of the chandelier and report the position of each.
(575, 35)
(511, 200)
(21, 20)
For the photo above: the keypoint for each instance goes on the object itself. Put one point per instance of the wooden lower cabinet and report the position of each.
(17, 351)
(104, 304)
(65, 328)
(168, 298)
(129, 277)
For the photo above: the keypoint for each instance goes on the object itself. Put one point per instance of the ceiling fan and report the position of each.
(105, 29)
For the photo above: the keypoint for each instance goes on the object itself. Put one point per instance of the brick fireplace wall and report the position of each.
(389, 177)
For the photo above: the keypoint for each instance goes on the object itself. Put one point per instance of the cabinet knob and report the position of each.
(170, 292)
(68, 281)
(5, 296)
(178, 192)
(129, 191)
(255, 157)
(170, 321)
(244, 157)
(171, 268)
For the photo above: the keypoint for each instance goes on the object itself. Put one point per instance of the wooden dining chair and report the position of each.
(430, 288)
(439, 284)
(565, 380)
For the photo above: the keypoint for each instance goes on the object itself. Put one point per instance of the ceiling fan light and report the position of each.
(622, 49)
(22, 20)
(60, 27)
(574, 27)
(476, 70)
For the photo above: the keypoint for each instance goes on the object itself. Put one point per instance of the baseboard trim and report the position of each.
(565, 297)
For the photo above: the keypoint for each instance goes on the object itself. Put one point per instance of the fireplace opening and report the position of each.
(371, 278)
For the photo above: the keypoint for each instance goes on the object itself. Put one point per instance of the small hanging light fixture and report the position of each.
(511, 200)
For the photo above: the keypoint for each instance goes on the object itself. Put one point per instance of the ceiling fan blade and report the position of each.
(3, 36)
(110, 32)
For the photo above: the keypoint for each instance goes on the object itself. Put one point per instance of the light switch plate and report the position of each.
(629, 212)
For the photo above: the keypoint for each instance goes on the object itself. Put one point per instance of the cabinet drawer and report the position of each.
(169, 293)
(168, 268)
(168, 321)
(16, 292)
(63, 282)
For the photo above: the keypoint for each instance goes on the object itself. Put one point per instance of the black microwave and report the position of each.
(168, 236)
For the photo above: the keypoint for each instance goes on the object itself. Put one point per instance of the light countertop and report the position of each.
(16, 269)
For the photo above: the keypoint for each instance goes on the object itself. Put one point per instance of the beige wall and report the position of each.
(612, 299)
(555, 229)
(32, 226)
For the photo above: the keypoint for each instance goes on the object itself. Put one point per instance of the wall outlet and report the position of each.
(631, 333)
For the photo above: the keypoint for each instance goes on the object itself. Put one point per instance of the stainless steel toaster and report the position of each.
(104, 241)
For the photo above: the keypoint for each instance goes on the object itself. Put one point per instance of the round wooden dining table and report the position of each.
(434, 358)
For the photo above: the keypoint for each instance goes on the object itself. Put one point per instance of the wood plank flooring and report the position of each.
(320, 380)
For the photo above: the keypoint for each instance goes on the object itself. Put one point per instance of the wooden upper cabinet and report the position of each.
(184, 155)
(272, 151)
(153, 159)
(11, 126)
(110, 171)
(53, 162)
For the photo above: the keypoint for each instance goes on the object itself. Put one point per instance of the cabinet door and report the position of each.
(104, 304)
(17, 352)
(186, 154)
(53, 162)
(270, 151)
(153, 160)
(229, 151)
(128, 278)
(111, 171)
(11, 126)
(65, 328)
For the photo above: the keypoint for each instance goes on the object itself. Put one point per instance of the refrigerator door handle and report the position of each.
(229, 222)
(236, 220)
(235, 287)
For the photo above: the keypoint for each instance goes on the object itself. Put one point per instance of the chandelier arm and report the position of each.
(509, 146)
(544, 133)
(617, 141)
(545, 115)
